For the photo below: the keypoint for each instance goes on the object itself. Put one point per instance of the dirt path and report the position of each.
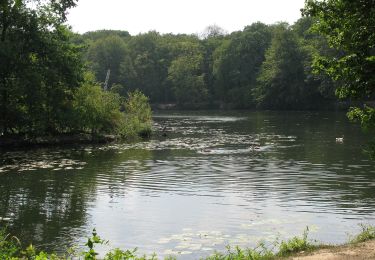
(360, 251)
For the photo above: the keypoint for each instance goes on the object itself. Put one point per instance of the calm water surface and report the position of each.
(217, 178)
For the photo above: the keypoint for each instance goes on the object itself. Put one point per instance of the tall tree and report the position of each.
(237, 62)
(39, 68)
(150, 65)
(281, 79)
(109, 53)
(186, 75)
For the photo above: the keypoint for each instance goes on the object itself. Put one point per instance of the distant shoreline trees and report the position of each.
(43, 87)
(217, 69)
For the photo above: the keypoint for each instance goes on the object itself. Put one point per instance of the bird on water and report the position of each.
(340, 139)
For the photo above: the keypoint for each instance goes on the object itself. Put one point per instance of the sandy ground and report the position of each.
(360, 251)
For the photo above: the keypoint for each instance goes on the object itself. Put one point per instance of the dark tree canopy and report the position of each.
(349, 27)
(217, 70)
(42, 65)
(44, 86)
(39, 68)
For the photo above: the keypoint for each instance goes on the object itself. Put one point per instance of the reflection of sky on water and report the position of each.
(214, 180)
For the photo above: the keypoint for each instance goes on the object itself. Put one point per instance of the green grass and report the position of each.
(10, 248)
(258, 253)
(367, 233)
(295, 245)
(261, 252)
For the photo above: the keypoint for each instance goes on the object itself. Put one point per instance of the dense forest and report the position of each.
(262, 66)
(55, 81)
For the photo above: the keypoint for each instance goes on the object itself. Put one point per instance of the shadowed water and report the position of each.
(216, 178)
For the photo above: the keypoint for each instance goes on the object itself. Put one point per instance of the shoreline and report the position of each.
(354, 251)
(360, 246)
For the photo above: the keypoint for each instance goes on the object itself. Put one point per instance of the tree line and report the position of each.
(51, 79)
(262, 66)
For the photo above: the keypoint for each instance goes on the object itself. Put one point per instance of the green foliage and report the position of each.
(258, 253)
(262, 252)
(43, 87)
(218, 69)
(137, 116)
(349, 29)
(186, 79)
(281, 81)
(100, 34)
(118, 254)
(295, 245)
(109, 53)
(367, 233)
(43, 90)
(237, 62)
(99, 112)
(95, 110)
(9, 246)
(39, 67)
(150, 61)
(366, 117)
(10, 249)
(91, 254)
(31, 253)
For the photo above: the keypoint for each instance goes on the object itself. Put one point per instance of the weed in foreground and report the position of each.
(367, 233)
(295, 245)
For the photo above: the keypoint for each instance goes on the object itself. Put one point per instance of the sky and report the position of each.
(179, 16)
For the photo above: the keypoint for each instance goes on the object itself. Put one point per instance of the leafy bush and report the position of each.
(96, 111)
(137, 116)
(100, 112)
(9, 246)
(366, 116)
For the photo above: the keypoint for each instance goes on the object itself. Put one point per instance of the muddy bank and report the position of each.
(365, 250)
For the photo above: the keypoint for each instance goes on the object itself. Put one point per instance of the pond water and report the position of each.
(216, 178)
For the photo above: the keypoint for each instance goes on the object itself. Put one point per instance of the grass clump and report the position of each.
(9, 246)
(261, 252)
(367, 233)
(295, 245)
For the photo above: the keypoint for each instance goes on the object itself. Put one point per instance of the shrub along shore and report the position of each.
(10, 248)
(98, 117)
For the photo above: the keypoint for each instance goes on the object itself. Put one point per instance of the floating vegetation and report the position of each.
(192, 133)
(190, 241)
(22, 162)
(198, 241)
